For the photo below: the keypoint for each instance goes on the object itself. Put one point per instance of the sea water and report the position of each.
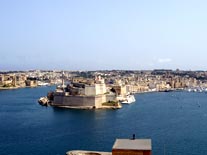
(175, 121)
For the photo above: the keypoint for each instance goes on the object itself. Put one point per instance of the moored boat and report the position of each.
(44, 101)
(129, 99)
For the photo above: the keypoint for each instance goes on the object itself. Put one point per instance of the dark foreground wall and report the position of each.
(130, 152)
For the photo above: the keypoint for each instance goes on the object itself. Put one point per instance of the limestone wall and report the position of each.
(90, 90)
(74, 100)
(110, 97)
(88, 101)
(100, 88)
(99, 100)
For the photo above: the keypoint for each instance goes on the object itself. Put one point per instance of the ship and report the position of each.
(129, 99)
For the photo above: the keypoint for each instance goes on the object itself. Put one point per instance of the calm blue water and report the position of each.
(176, 121)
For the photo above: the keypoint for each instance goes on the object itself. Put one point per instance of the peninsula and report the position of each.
(83, 94)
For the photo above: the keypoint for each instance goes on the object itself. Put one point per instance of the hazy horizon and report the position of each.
(103, 35)
(100, 70)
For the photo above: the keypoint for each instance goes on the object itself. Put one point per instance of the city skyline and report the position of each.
(103, 35)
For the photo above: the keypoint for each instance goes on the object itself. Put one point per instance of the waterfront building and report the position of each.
(122, 81)
(20, 80)
(84, 95)
(31, 83)
(1, 79)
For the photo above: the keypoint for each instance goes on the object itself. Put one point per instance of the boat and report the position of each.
(129, 99)
(44, 101)
(166, 90)
(42, 83)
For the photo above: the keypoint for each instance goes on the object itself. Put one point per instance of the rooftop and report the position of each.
(130, 144)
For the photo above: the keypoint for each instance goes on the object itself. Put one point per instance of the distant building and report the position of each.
(1, 79)
(31, 83)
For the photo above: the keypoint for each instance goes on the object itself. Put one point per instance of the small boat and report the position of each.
(44, 101)
(129, 99)
(40, 83)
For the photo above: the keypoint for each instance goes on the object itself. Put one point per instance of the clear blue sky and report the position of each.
(103, 34)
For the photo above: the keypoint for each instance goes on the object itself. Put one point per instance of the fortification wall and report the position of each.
(99, 100)
(74, 100)
(87, 101)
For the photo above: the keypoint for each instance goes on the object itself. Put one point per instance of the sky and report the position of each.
(103, 34)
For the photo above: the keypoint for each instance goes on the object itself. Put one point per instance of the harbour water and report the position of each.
(175, 121)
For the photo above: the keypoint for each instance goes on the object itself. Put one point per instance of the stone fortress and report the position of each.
(84, 94)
